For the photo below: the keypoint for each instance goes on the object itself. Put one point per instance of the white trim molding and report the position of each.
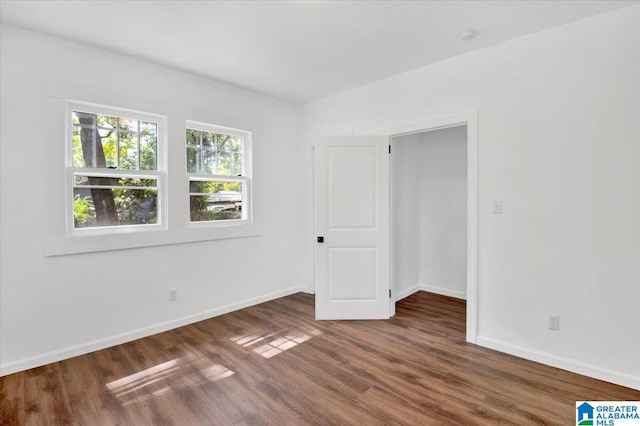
(176, 227)
(443, 291)
(94, 345)
(407, 292)
(567, 364)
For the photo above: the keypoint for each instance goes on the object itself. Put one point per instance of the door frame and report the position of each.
(469, 119)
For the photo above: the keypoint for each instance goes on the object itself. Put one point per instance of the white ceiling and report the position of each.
(298, 51)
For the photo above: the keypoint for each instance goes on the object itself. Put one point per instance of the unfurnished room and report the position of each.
(320, 212)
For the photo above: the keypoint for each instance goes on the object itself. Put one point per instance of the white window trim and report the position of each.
(171, 157)
(160, 173)
(246, 178)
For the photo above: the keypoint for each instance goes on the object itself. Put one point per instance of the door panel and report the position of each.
(352, 190)
(352, 214)
(352, 273)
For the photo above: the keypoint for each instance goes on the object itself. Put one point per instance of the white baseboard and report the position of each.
(94, 345)
(407, 292)
(578, 367)
(444, 291)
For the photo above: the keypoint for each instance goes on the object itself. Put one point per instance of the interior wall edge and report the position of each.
(443, 291)
(407, 292)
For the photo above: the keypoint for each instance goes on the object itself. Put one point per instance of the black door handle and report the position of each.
(321, 239)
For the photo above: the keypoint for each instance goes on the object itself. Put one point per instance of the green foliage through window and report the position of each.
(135, 201)
(213, 153)
(116, 148)
(215, 200)
(127, 143)
(220, 156)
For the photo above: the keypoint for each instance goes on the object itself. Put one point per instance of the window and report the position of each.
(218, 167)
(114, 173)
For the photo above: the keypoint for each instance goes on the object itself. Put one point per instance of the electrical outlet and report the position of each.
(554, 322)
(173, 295)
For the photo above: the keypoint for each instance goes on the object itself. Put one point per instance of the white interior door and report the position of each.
(352, 267)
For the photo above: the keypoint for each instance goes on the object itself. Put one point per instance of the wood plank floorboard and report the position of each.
(273, 364)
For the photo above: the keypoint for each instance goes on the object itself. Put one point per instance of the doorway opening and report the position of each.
(354, 252)
(434, 213)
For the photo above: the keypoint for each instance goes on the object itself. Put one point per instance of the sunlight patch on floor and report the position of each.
(250, 339)
(216, 372)
(277, 345)
(121, 387)
(167, 377)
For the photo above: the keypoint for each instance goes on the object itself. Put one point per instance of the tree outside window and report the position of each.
(114, 169)
(218, 179)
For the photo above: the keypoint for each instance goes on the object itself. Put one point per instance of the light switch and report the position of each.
(496, 207)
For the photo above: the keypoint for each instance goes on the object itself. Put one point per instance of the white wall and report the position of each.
(406, 215)
(430, 205)
(559, 144)
(443, 211)
(55, 307)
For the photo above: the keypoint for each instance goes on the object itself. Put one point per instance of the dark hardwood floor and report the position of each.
(274, 364)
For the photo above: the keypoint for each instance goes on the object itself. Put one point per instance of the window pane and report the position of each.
(193, 137)
(148, 156)
(208, 139)
(109, 147)
(78, 159)
(116, 207)
(128, 125)
(221, 153)
(90, 142)
(114, 193)
(102, 141)
(147, 128)
(128, 151)
(193, 160)
(107, 121)
(236, 157)
(215, 200)
(209, 161)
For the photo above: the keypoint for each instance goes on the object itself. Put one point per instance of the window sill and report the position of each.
(58, 245)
